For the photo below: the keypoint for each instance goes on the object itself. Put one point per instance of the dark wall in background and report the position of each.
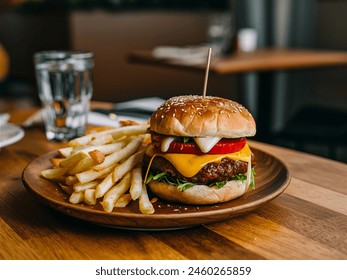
(112, 37)
(22, 34)
(111, 34)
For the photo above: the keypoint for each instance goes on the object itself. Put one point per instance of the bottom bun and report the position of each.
(199, 194)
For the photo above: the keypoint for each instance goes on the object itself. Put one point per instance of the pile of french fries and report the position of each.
(104, 167)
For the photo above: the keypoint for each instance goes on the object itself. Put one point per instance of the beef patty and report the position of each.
(210, 173)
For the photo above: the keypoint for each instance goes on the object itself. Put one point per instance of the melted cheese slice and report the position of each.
(188, 164)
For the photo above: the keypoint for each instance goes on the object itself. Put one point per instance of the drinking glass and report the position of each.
(219, 33)
(65, 87)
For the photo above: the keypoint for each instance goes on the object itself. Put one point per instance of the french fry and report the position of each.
(123, 201)
(73, 160)
(111, 148)
(102, 177)
(105, 149)
(104, 164)
(120, 170)
(56, 161)
(86, 186)
(82, 165)
(84, 140)
(104, 139)
(71, 180)
(136, 183)
(65, 152)
(145, 205)
(104, 186)
(89, 197)
(91, 174)
(127, 122)
(130, 130)
(76, 197)
(147, 139)
(115, 193)
(115, 133)
(95, 129)
(97, 156)
(55, 174)
(116, 157)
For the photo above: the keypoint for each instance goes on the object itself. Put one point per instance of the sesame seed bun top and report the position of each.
(198, 116)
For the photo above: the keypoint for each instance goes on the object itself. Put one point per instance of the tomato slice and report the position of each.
(224, 146)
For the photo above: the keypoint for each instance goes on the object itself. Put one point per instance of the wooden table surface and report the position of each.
(260, 60)
(307, 221)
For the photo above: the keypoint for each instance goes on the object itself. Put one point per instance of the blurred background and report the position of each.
(113, 28)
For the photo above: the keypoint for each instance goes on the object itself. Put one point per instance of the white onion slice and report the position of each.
(165, 144)
(206, 143)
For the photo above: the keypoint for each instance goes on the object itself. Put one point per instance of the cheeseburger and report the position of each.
(198, 152)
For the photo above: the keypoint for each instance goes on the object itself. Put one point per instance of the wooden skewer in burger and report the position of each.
(198, 153)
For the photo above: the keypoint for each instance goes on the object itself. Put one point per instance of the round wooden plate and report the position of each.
(272, 177)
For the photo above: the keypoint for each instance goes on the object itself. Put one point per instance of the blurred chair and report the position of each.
(316, 125)
(279, 24)
(294, 24)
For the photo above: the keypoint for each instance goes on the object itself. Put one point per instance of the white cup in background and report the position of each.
(247, 39)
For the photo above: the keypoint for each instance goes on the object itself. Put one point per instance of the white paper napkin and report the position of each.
(94, 118)
(147, 104)
(189, 55)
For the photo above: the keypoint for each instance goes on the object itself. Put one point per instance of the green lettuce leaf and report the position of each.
(184, 185)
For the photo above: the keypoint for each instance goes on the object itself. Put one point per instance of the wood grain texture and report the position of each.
(260, 60)
(307, 221)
